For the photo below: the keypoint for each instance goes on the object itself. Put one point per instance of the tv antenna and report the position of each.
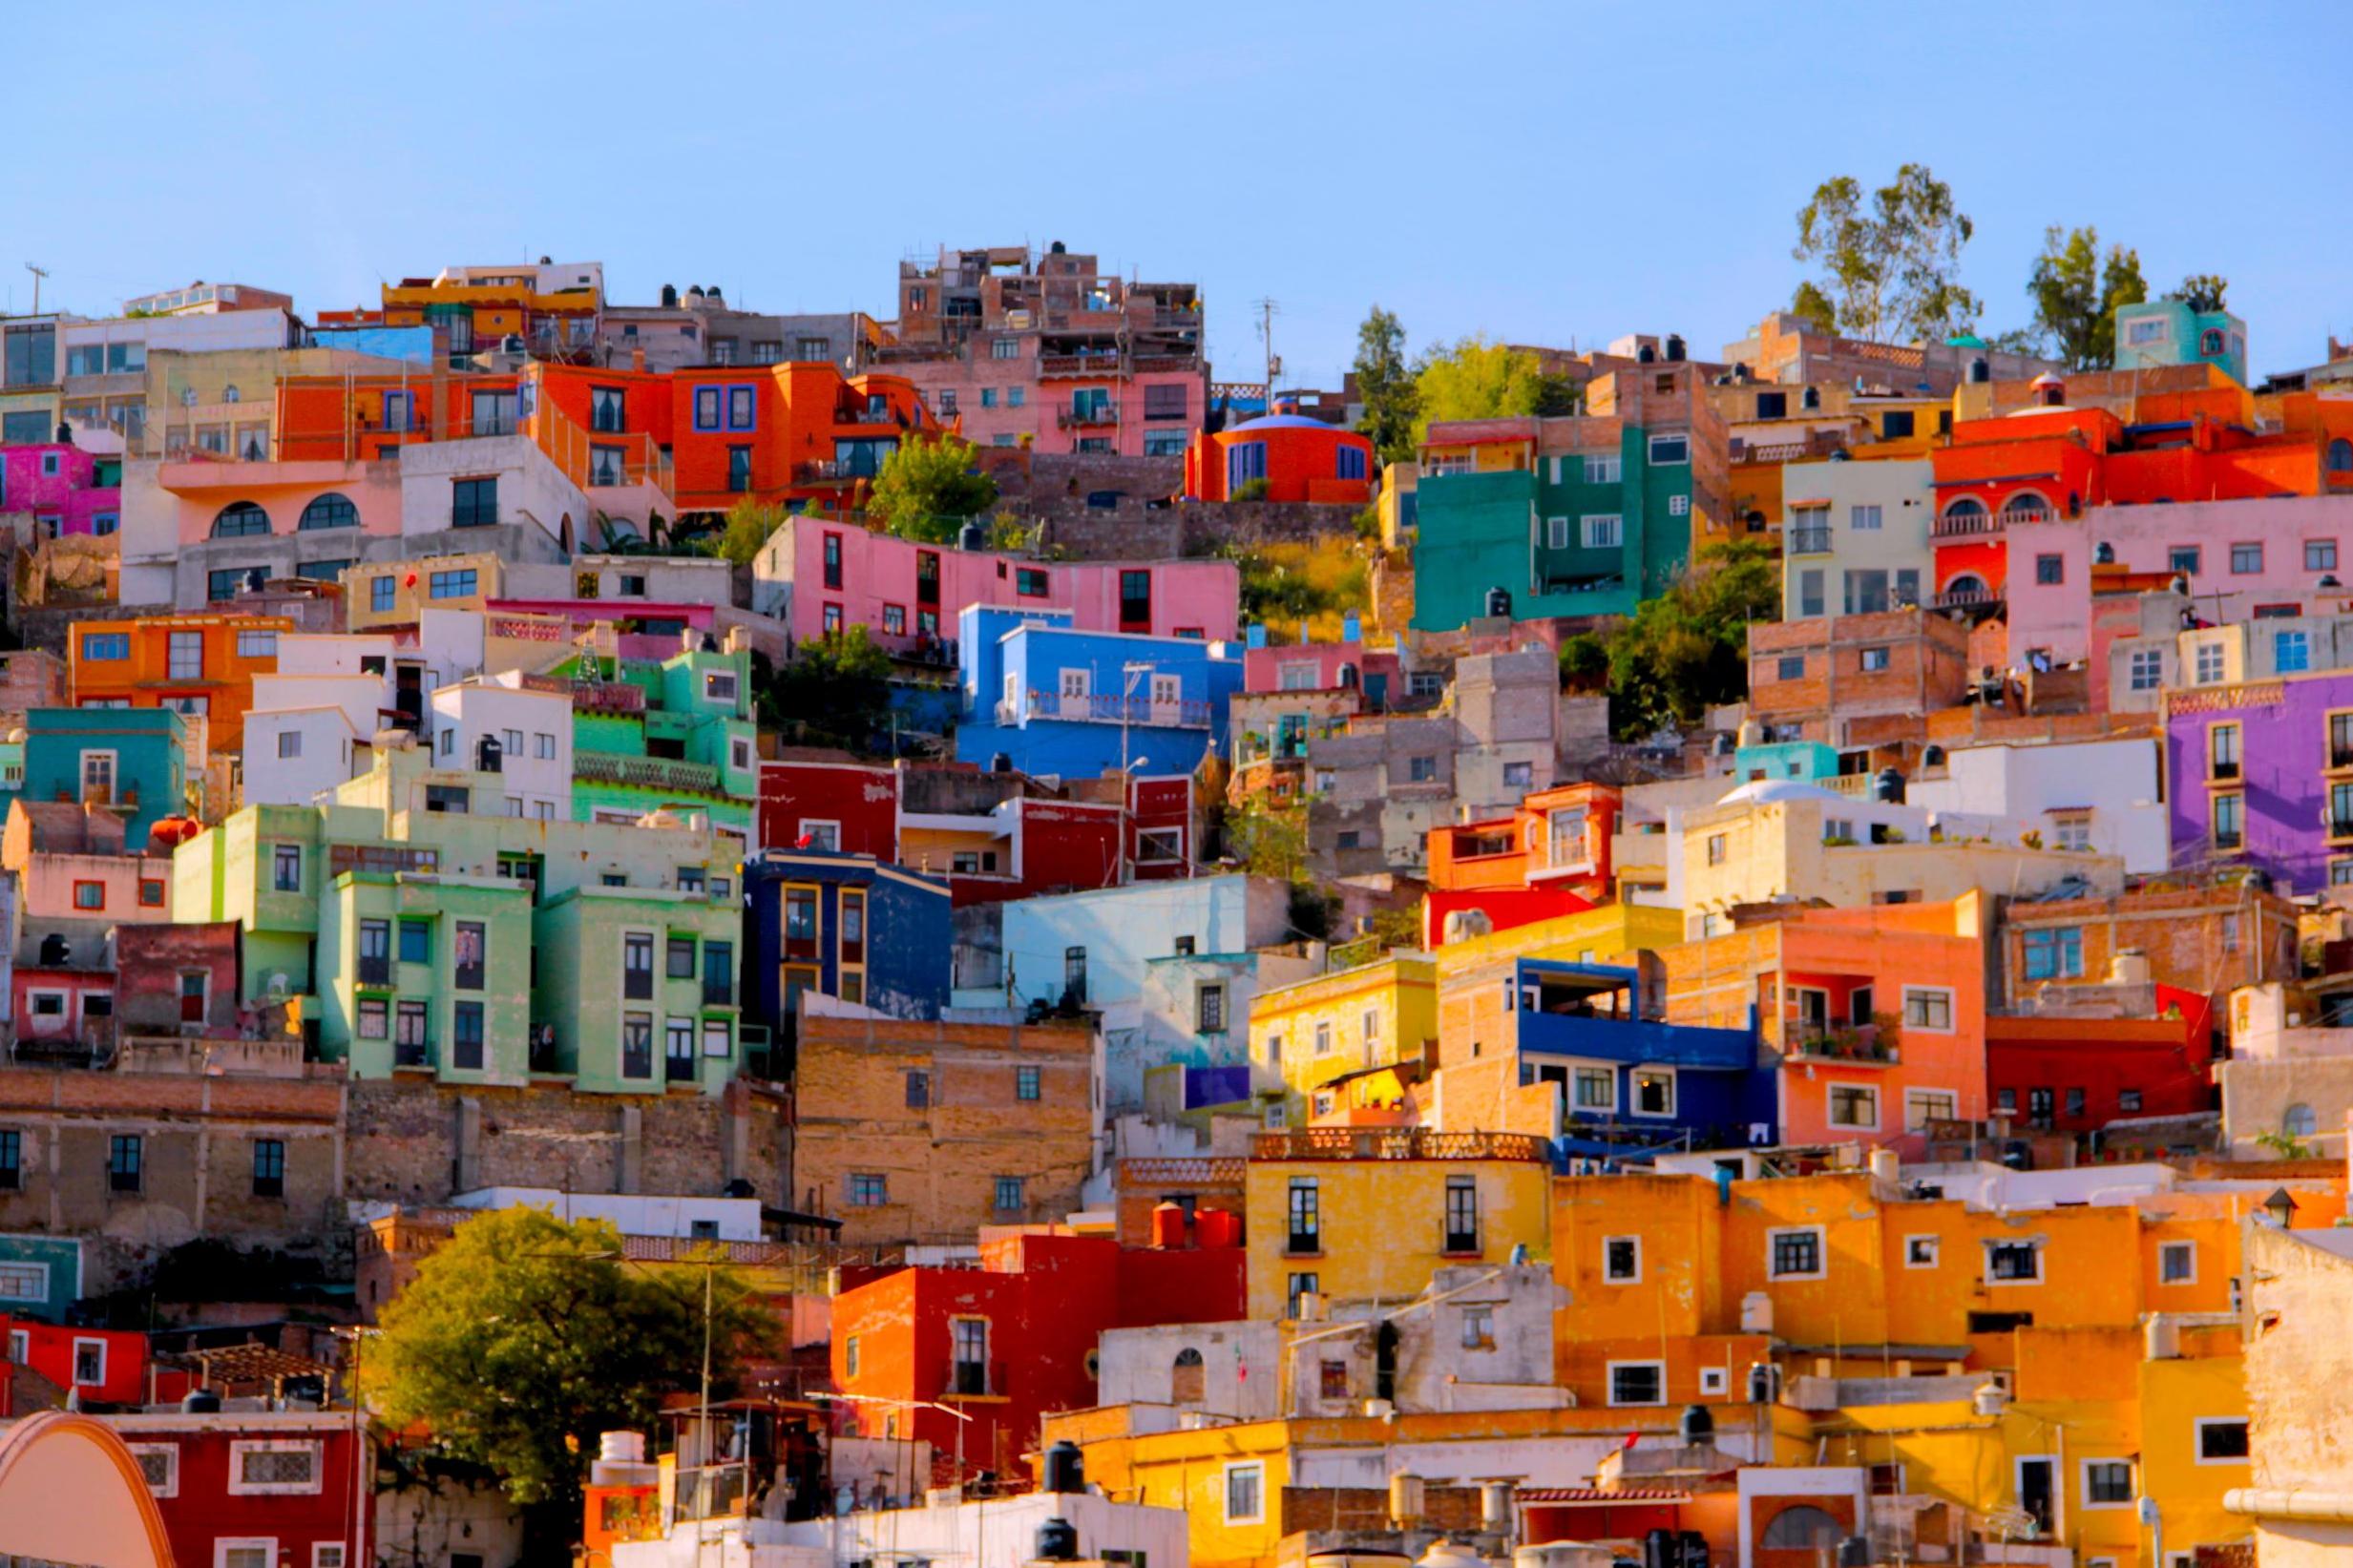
(38, 273)
(1268, 310)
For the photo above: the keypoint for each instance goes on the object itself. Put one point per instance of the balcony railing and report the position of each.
(718, 992)
(1862, 1045)
(376, 969)
(645, 772)
(1978, 525)
(678, 1069)
(1809, 541)
(1095, 413)
(412, 1053)
(1968, 598)
(1165, 714)
(590, 696)
(1394, 1143)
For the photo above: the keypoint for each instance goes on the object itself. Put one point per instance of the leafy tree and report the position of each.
(1888, 260)
(834, 691)
(1688, 648)
(524, 1337)
(2202, 292)
(1267, 840)
(1386, 386)
(2076, 291)
(1816, 307)
(928, 490)
(749, 524)
(1476, 379)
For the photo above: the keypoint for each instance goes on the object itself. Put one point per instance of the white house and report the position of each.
(531, 732)
(2104, 796)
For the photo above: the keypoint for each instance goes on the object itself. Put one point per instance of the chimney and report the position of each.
(636, 359)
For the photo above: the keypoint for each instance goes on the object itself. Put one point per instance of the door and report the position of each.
(2035, 1492)
(192, 998)
(1167, 700)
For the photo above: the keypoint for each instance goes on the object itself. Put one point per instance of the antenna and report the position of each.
(38, 273)
(1268, 310)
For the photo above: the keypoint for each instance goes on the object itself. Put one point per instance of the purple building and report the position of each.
(67, 490)
(2261, 775)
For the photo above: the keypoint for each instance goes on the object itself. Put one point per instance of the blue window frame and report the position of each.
(743, 405)
(98, 646)
(1351, 463)
(103, 523)
(1245, 461)
(707, 407)
(379, 592)
(239, 520)
(453, 585)
(396, 410)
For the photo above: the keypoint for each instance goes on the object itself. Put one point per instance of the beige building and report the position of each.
(2299, 1360)
(1855, 536)
(2289, 1076)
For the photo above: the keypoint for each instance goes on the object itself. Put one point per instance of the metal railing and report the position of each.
(645, 772)
(1094, 413)
(1162, 713)
(1966, 599)
(1394, 1143)
(1970, 525)
(412, 1053)
(590, 696)
(1809, 541)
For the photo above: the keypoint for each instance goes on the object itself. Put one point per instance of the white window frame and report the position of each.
(38, 1272)
(1605, 468)
(238, 1487)
(1225, 1491)
(2197, 1438)
(1912, 1123)
(114, 767)
(1716, 1382)
(1674, 1095)
(1946, 992)
(1877, 1109)
(74, 1367)
(2083, 1480)
(171, 1474)
(2035, 1247)
(1608, 1277)
(1608, 1071)
(1936, 1250)
(320, 1549)
(1821, 1252)
(1657, 462)
(1601, 530)
(224, 1545)
(1556, 533)
(1611, 1376)
(2164, 1247)
(811, 825)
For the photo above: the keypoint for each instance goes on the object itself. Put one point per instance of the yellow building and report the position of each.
(1317, 1031)
(1363, 1212)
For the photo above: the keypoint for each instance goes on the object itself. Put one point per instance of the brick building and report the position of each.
(2202, 934)
(1812, 680)
(912, 1131)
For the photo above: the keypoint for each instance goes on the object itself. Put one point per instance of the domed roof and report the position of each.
(1761, 792)
(2049, 378)
(1965, 340)
(1284, 422)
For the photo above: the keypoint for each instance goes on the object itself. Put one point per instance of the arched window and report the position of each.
(330, 510)
(2298, 1121)
(1187, 1379)
(230, 394)
(2210, 341)
(2340, 457)
(1969, 506)
(1803, 1528)
(2026, 504)
(239, 520)
(1811, 398)
(1965, 583)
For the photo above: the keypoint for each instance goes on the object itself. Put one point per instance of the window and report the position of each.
(2223, 751)
(1461, 1214)
(1622, 1260)
(1008, 1196)
(1348, 461)
(2229, 820)
(1667, 449)
(1854, 1105)
(1602, 470)
(185, 656)
(1210, 1010)
(1596, 1088)
(241, 520)
(1297, 1286)
(1245, 1494)
(2050, 569)
(707, 407)
(100, 647)
(286, 867)
(474, 503)
(1638, 1383)
(1795, 1253)
(2054, 954)
(1654, 1091)
(2177, 1263)
(743, 403)
(2221, 1440)
(718, 974)
(2291, 651)
(1602, 531)
(2184, 560)
(89, 1363)
(90, 895)
(1863, 519)
(1306, 1217)
(151, 893)
(1421, 769)
(2107, 1482)
(1556, 533)
(2127, 1101)
(465, 1037)
(329, 1554)
(269, 1167)
(2013, 1262)
(867, 1189)
(2146, 669)
(2246, 559)
(1928, 1009)
(1026, 1083)
(1790, 667)
(2208, 663)
(158, 1467)
(1875, 659)
(2320, 555)
(273, 1467)
(1716, 850)
(125, 1159)
(1921, 1251)
(454, 584)
(637, 966)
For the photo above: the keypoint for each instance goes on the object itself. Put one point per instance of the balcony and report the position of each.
(975, 1379)
(1087, 709)
(1634, 1041)
(418, 1054)
(1985, 525)
(1078, 364)
(1863, 1045)
(1394, 1143)
(590, 696)
(1966, 599)
(718, 992)
(1094, 413)
(645, 772)
(376, 969)
(1809, 541)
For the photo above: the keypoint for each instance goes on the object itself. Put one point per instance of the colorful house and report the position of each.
(2260, 775)
(133, 762)
(1551, 857)
(1286, 457)
(201, 667)
(654, 729)
(1311, 1034)
(847, 925)
(68, 491)
(2168, 331)
(1054, 699)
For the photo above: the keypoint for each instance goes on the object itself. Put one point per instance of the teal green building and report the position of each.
(685, 738)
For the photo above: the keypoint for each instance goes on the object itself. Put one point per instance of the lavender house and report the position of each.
(2261, 775)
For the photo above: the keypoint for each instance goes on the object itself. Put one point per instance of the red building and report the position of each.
(807, 796)
(1300, 459)
(2077, 1074)
(257, 1489)
(106, 1366)
(1012, 1340)
(1551, 857)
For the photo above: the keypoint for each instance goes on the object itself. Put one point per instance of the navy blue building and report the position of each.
(844, 926)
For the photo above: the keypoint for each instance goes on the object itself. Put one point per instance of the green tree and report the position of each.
(2202, 292)
(748, 527)
(524, 1337)
(2076, 290)
(928, 490)
(1267, 840)
(1816, 307)
(835, 690)
(1385, 384)
(1888, 260)
(1475, 379)
(1687, 649)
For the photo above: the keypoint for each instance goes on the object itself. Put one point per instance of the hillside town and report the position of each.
(955, 938)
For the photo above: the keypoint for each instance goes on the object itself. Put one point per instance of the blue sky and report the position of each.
(1548, 172)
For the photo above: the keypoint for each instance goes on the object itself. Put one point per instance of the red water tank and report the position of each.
(1219, 1227)
(1167, 1225)
(167, 832)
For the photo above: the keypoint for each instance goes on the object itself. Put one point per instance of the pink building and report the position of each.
(70, 863)
(195, 503)
(67, 490)
(2254, 554)
(1053, 404)
(1325, 666)
(818, 575)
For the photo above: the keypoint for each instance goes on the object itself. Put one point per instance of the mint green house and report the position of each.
(428, 971)
(676, 734)
(1568, 517)
(638, 989)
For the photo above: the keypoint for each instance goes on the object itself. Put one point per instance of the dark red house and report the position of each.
(105, 1365)
(2078, 1075)
(825, 800)
(257, 1489)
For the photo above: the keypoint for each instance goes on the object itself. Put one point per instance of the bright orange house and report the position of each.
(199, 664)
(1548, 858)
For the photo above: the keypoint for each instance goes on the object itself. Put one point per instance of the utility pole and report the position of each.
(1267, 311)
(38, 273)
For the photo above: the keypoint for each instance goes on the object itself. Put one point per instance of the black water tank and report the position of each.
(669, 295)
(1057, 1541)
(1675, 348)
(1645, 354)
(1697, 1427)
(1065, 1468)
(1854, 1551)
(1980, 370)
(490, 755)
(1888, 786)
(199, 1402)
(1932, 756)
(972, 536)
(1499, 602)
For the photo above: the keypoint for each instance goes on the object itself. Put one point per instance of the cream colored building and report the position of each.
(2289, 1075)
(1855, 536)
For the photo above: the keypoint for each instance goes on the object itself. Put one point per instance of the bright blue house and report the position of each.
(1629, 1082)
(849, 926)
(2155, 332)
(134, 757)
(1053, 700)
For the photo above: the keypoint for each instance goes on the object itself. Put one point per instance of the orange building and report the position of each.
(201, 665)
(1550, 857)
(799, 432)
(371, 417)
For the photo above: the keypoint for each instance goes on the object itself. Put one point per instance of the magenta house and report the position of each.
(2261, 776)
(1325, 666)
(67, 490)
(818, 575)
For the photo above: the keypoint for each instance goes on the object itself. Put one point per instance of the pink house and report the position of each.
(195, 503)
(1324, 666)
(1009, 402)
(818, 575)
(2240, 558)
(67, 490)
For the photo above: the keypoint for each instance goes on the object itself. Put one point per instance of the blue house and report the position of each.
(1054, 699)
(135, 759)
(1629, 1082)
(41, 1276)
(849, 926)
(2155, 332)
(1096, 949)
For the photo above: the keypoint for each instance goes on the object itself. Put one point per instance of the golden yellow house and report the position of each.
(1319, 1030)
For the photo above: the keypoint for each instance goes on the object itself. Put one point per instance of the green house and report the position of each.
(428, 972)
(639, 987)
(678, 734)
